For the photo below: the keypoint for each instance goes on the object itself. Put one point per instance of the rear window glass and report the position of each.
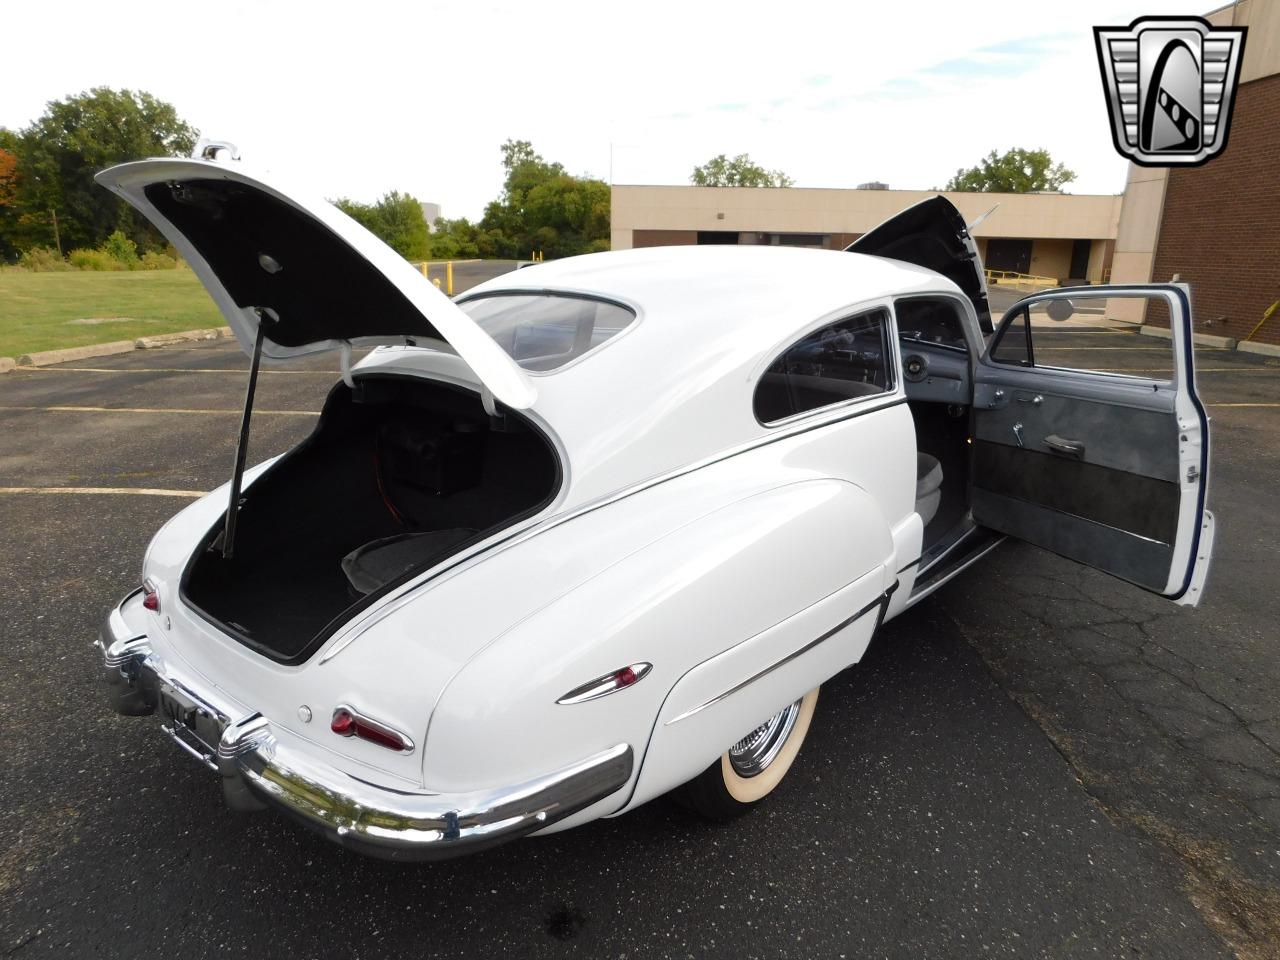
(840, 362)
(545, 331)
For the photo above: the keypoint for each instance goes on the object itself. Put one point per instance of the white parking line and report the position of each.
(63, 409)
(238, 372)
(123, 491)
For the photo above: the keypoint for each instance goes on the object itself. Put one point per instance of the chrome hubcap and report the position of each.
(752, 754)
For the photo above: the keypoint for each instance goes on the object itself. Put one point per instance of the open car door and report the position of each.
(1090, 441)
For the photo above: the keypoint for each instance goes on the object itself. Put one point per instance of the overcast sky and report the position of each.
(356, 99)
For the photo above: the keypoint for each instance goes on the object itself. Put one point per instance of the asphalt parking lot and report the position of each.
(1036, 761)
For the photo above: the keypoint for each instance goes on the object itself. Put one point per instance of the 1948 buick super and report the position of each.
(601, 528)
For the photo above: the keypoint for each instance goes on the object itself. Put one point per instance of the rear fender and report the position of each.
(708, 605)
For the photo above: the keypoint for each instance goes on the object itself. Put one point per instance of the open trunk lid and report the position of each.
(313, 277)
(932, 234)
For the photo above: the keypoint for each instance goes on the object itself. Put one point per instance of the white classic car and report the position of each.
(601, 528)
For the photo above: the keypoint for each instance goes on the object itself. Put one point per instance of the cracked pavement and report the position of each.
(1169, 717)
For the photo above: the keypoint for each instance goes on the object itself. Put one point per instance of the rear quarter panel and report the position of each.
(709, 603)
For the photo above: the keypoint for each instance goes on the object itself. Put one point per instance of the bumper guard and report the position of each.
(260, 770)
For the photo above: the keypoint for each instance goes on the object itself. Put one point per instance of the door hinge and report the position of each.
(1193, 473)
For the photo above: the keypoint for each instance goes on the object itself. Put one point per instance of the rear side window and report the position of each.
(844, 361)
(544, 331)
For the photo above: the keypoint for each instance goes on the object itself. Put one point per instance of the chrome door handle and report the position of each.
(1034, 401)
(1069, 448)
(1017, 432)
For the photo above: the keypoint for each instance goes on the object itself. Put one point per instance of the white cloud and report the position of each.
(359, 99)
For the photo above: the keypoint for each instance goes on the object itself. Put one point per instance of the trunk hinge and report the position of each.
(242, 447)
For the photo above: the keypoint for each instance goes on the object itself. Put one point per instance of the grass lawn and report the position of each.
(46, 311)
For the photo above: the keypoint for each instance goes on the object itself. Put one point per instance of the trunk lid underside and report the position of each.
(313, 277)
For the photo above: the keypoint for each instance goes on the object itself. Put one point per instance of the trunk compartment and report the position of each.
(399, 474)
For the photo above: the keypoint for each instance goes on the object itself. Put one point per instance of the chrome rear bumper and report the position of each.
(260, 769)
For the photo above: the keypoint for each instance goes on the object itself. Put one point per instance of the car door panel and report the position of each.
(1106, 469)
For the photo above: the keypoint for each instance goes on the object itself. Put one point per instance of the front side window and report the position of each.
(545, 331)
(1092, 332)
(846, 360)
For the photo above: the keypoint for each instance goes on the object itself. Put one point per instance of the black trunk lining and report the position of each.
(285, 591)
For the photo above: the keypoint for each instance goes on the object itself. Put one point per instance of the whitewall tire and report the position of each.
(749, 771)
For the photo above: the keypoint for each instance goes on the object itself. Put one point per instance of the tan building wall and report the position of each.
(1051, 258)
(854, 212)
(1262, 48)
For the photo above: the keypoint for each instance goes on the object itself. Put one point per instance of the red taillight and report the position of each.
(343, 724)
(150, 597)
(347, 723)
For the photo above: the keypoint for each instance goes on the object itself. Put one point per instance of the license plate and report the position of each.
(191, 724)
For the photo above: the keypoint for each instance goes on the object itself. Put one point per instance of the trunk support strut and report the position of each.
(242, 446)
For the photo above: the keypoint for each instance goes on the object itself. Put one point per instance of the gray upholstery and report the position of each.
(370, 567)
(928, 486)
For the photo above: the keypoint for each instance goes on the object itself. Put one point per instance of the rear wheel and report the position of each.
(749, 770)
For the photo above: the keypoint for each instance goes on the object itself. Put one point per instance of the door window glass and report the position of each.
(1100, 334)
(840, 362)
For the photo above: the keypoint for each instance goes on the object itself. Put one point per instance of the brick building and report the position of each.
(1218, 225)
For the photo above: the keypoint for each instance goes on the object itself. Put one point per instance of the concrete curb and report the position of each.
(44, 358)
(1265, 349)
(1202, 339)
(186, 336)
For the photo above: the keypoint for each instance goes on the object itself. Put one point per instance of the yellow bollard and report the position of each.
(423, 267)
(448, 274)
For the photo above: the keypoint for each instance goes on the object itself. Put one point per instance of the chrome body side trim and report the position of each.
(260, 768)
(880, 603)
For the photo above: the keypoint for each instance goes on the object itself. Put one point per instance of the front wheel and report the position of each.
(749, 770)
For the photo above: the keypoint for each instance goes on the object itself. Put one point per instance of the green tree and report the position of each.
(462, 240)
(403, 226)
(542, 207)
(396, 219)
(741, 171)
(1015, 171)
(59, 153)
